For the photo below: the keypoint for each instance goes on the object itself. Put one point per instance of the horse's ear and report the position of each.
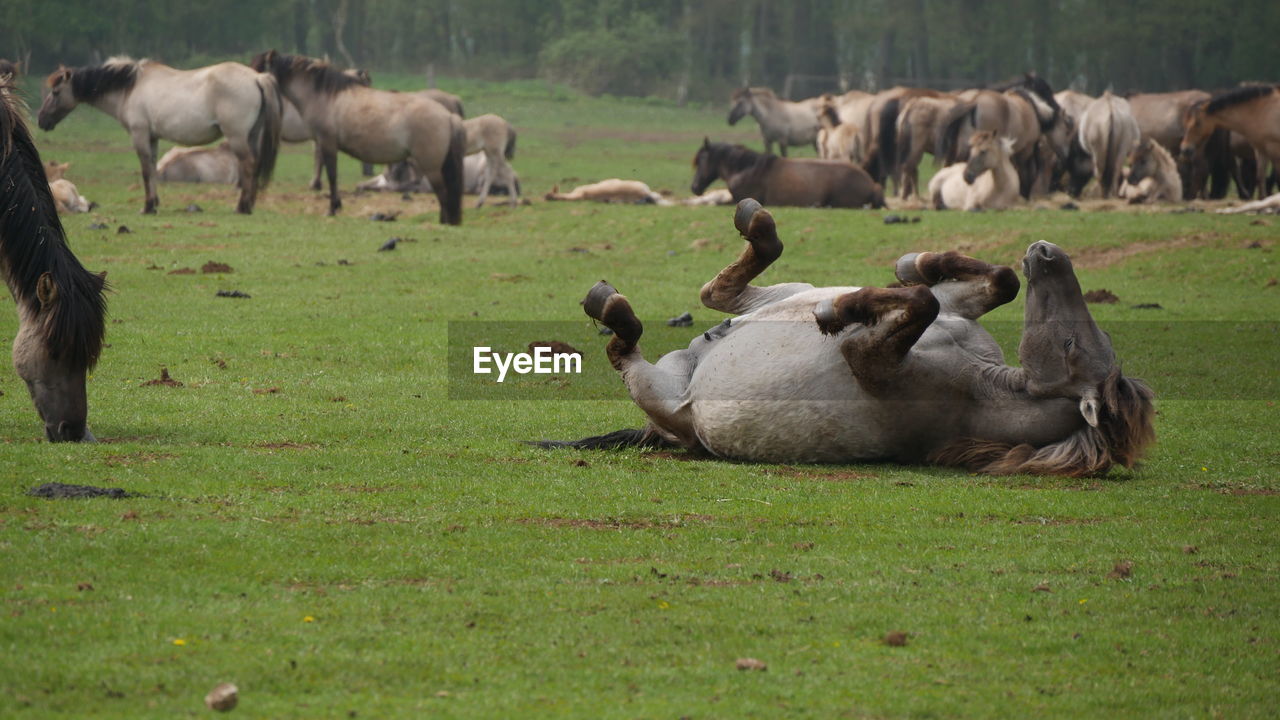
(46, 290)
(1090, 406)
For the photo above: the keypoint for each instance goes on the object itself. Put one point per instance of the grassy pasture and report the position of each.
(342, 528)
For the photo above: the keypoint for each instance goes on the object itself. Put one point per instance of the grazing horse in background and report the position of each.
(61, 308)
(908, 375)
(1160, 117)
(1153, 175)
(838, 140)
(189, 107)
(1253, 112)
(294, 129)
(917, 124)
(376, 126)
(1108, 133)
(1026, 113)
(199, 165)
(781, 121)
(782, 181)
(988, 181)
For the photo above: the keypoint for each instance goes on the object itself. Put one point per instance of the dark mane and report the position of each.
(91, 83)
(1041, 87)
(326, 78)
(740, 157)
(829, 112)
(1238, 96)
(32, 242)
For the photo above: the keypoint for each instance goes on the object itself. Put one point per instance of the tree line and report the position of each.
(695, 49)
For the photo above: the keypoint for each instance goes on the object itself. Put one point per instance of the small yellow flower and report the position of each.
(1083, 601)
(1204, 469)
(308, 619)
(663, 604)
(179, 642)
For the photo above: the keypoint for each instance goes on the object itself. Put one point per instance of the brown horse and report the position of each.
(375, 126)
(1253, 112)
(781, 181)
(61, 307)
(917, 124)
(1160, 117)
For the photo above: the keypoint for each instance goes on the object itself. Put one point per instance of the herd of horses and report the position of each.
(1056, 141)
(904, 373)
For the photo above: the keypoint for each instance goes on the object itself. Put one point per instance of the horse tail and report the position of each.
(451, 200)
(510, 151)
(944, 142)
(1108, 165)
(904, 139)
(888, 139)
(264, 137)
(616, 440)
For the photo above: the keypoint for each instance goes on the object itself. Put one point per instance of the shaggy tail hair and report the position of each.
(264, 136)
(509, 152)
(615, 440)
(1123, 433)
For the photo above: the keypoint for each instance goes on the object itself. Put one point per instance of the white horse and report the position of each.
(612, 190)
(838, 140)
(988, 181)
(190, 107)
(781, 121)
(1108, 132)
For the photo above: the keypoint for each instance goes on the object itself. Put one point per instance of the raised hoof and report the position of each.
(825, 315)
(594, 302)
(757, 226)
(908, 272)
(742, 216)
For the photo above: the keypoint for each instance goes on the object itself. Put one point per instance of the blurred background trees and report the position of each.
(696, 49)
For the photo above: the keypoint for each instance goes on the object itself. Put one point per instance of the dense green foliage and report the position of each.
(327, 524)
(680, 48)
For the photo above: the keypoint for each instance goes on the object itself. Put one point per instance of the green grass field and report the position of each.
(333, 521)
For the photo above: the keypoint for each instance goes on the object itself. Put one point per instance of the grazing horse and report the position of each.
(375, 126)
(294, 129)
(917, 124)
(1253, 112)
(61, 308)
(1025, 113)
(189, 107)
(849, 374)
(781, 121)
(838, 140)
(1108, 133)
(1153, 175)
(783, 181)
(988, 181)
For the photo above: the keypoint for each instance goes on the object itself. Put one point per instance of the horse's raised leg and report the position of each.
(145, 145)
(730, 290)
(962, 285)
(657, 389)
(890, 322)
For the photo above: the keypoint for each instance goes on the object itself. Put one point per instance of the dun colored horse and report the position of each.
(199, 165)
(61, 307)
(782, 181)
(1153, 175)
(1108, 133)
(613, 190)
(189, 107)
(1253, 112)
(294, 129)
(838, 140)
(988, 181)
(917, 124)
(1160, 117)
(781, 121)
(66, 197)
(855, 374)
(375, 126)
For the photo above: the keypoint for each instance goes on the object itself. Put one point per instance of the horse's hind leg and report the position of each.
(891, 320)
(658, 389)
(962, 285)
(145, 145)
(730, 291)
(248, 177)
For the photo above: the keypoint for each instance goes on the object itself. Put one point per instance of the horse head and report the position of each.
(706, 169)
(986, 152)
(1197, 127)
(1142, 162)
(59, 98)
(741, 104)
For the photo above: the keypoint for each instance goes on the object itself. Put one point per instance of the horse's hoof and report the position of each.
(907, 272)
(742, 216)
(829, 323)
(596, 298)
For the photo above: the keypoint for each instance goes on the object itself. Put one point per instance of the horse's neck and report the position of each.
(111, 103)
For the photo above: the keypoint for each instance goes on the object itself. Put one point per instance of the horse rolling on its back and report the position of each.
(61, 308)
(190, 107)
(775, 180)
(375, 126)
(781, 121)
(988, 181)
(1108, 132)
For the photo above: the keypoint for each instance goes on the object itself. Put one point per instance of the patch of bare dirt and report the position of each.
(182, 271)
(896, 638)
(1101, 296)
(1092, 258)
(215, 267)
(286, 445)
(164, 379)
(1122, 570)
(678, 521)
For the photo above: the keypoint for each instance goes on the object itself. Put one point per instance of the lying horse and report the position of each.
(781, 181)
(612, 190)
(988, 181)
(61, 308)
(189, 107)
(66, 196)
(199, 165)
(848, 374)
(1153, 175)
(399, 177)
(781, 121)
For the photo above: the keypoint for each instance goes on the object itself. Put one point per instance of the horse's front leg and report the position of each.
(962, 285)
(490, 168)
(331, 169)
(145, 145)
(889, 322)
(730, 290)
(316, 182)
